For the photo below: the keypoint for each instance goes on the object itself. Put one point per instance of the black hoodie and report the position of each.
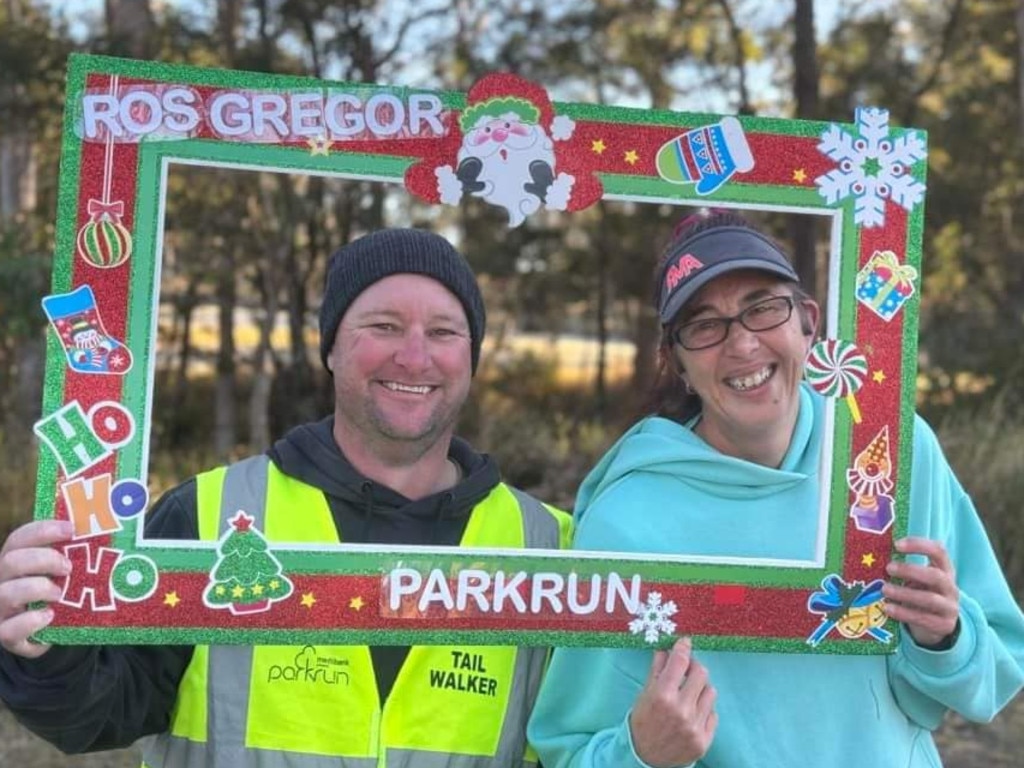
(90, 698)
(366, 512)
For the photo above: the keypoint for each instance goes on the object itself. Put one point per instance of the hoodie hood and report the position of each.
(660, 446)
(309, 453)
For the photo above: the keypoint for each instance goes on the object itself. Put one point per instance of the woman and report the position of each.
(729, 467)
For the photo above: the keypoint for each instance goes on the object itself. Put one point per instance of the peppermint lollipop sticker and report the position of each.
(837, 368)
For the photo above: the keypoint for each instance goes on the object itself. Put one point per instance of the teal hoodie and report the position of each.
(662, 489)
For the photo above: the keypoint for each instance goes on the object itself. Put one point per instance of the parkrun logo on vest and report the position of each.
(681, 270)
(311, 668)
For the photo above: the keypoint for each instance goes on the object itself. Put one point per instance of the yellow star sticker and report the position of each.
(878, 376)
(868, 559)
(598, 146)
(800, 175)
(219, 590)
(237, 591)
(319, 145)
(356, 603)
(274, 584)
(171, 599)
(308, 600)
(631, 157)
(257, 589)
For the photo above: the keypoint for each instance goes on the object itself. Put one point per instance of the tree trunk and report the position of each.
(646, 336)
(259, 397)
(295, 398)
(22, 398)
(225, 430)
(739, 58)
(184, 309)
(600, 376)
(1020, 65)
(260, 431)
(17, 154)
(227, 30)
(805, 92)
(130, 26)
(29, 356)
(17, 174)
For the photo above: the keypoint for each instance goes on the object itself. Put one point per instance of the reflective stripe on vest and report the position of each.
(226, 716)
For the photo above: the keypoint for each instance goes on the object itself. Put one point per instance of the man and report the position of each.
(401, 326)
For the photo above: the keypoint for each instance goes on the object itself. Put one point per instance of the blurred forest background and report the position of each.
(571, 335)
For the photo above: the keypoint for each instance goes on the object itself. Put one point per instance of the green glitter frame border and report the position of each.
(154, 158)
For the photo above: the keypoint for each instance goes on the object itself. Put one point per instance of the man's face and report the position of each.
(402, 364)
(748, 383)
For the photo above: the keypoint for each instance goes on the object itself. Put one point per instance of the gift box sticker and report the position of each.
(884, 284)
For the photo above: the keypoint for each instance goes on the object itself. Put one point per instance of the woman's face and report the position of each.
(748, 384)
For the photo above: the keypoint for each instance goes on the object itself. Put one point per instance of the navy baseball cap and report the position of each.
(695, 261)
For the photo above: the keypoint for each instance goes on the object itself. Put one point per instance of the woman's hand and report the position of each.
(673, 720)
(928, 600)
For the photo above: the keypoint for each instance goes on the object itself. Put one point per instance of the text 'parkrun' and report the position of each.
(521, 592)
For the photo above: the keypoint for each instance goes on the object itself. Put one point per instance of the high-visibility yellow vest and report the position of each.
(318, 706)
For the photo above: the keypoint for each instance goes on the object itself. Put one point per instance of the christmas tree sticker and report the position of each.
(246, 578)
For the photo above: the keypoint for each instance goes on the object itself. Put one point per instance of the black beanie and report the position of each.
(358, 265)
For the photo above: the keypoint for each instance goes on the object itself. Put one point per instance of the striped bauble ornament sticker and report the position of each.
(104, 241)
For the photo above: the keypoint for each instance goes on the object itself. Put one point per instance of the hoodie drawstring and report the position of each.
(442, 506)
(367, 490)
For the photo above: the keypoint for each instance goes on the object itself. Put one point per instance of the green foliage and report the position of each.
(24, 277)
(985, 446)
(33, 48)
(952, 69)
(17, 489)
(544, 436)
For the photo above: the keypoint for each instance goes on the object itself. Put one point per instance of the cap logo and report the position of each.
(681, 270)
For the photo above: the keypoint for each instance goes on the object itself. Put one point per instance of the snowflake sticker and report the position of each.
(873, 167)
(652, 618)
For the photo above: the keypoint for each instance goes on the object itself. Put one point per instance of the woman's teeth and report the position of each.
(756, 379)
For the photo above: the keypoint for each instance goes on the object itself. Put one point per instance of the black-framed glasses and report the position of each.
(710, 331)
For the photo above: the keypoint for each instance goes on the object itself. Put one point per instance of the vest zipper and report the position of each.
(379, 737)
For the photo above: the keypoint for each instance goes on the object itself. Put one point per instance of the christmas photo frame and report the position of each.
(127, 123)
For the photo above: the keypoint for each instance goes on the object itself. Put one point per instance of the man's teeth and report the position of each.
(743, 383)
(394, 386)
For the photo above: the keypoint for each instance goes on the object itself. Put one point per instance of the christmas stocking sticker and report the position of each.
(89, 348)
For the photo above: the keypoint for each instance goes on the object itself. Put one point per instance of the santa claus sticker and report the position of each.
(510, 150)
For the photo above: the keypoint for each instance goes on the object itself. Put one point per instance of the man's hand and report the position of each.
(928, 601)
(29, 573)
(673, 719)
